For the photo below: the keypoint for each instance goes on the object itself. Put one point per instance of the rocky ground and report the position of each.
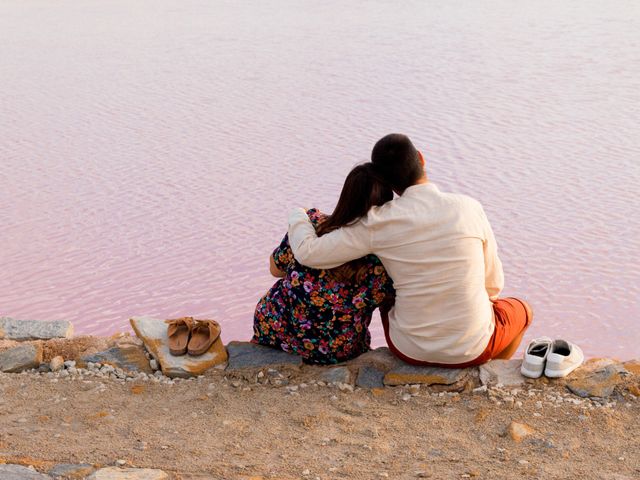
(263, 415)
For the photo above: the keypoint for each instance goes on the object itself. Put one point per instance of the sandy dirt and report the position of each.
(210, 427)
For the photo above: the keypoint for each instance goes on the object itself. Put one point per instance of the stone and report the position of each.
(407, 374)
(115, 473)
(56, 363)
(130, 358)
(335, 375)
(632, 366)
(505, 372)
(18, 472)
(153, 333)
(517, 431)
(20, 330)
(600, 383)
(247, 355)
(370, 377)
(70, 471)
(380, 358)
(21, 357)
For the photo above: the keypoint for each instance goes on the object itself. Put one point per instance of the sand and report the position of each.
(207, 428)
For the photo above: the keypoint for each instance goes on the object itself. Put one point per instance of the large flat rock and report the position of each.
(370, 377)
(633, 366)
(130, 358)
(406, 374)
(248, 356)
(600, 383)
(18, 472)
(153, 333)
(114, 473)
(13, 329)
(505, 372)
(381, 358)
(71, 471)
(21, 357)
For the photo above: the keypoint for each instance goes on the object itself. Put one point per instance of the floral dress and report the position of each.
(311, 314)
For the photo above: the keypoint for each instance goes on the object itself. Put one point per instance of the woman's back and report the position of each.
(322, 315)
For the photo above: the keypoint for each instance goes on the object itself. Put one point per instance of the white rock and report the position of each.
(56, 364)
(501, 373)
(115, 473)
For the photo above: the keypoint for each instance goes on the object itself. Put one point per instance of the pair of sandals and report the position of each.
(195, 337)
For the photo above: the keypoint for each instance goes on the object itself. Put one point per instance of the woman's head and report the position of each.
(362, 190)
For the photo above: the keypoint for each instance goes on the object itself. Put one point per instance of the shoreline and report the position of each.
(260, 415)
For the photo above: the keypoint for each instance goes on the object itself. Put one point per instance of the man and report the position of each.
(440, 251)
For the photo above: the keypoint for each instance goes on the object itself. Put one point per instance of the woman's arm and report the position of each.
(273, 268)
(330, 250)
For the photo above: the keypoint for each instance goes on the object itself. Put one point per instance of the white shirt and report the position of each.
(441, 254)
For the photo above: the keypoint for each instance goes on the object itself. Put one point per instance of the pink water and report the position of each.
(150, 150)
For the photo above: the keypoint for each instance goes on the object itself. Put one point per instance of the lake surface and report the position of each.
(150, 150)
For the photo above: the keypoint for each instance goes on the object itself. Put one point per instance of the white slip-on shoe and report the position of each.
(535, 357)
(563, 359)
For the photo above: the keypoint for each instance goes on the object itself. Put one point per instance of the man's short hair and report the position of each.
(397, 160)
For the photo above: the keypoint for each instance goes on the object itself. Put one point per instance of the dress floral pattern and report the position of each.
(311, 314)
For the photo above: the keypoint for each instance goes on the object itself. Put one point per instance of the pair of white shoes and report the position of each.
(554, 358)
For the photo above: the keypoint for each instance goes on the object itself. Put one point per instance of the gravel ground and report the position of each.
(237, 429)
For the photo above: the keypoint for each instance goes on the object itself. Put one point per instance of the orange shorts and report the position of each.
(511, 320)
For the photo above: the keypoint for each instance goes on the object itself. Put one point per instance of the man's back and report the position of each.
(441, 254)
(432, 245)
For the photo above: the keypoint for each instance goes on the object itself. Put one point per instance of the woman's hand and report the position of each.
(275, 271)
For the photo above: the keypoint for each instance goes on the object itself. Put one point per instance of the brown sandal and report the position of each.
(203, 334)
(179, 331)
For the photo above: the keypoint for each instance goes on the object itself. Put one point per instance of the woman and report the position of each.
(324, 315)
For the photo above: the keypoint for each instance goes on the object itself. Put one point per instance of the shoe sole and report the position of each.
(531, 374)
(560, 373)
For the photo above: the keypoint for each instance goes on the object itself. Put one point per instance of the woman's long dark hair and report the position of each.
(363, 188)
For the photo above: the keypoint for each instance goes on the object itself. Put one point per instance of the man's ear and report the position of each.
(421, 157)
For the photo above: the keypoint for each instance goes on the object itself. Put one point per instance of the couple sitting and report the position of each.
(427, 259)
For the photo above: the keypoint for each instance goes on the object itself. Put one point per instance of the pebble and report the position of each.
(56, 364)
(121, 462)
(306, 472)
(69, 363)
(345, 387)
(406, 397)
(153, 363)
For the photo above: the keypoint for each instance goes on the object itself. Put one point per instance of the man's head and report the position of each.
(398, 161)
